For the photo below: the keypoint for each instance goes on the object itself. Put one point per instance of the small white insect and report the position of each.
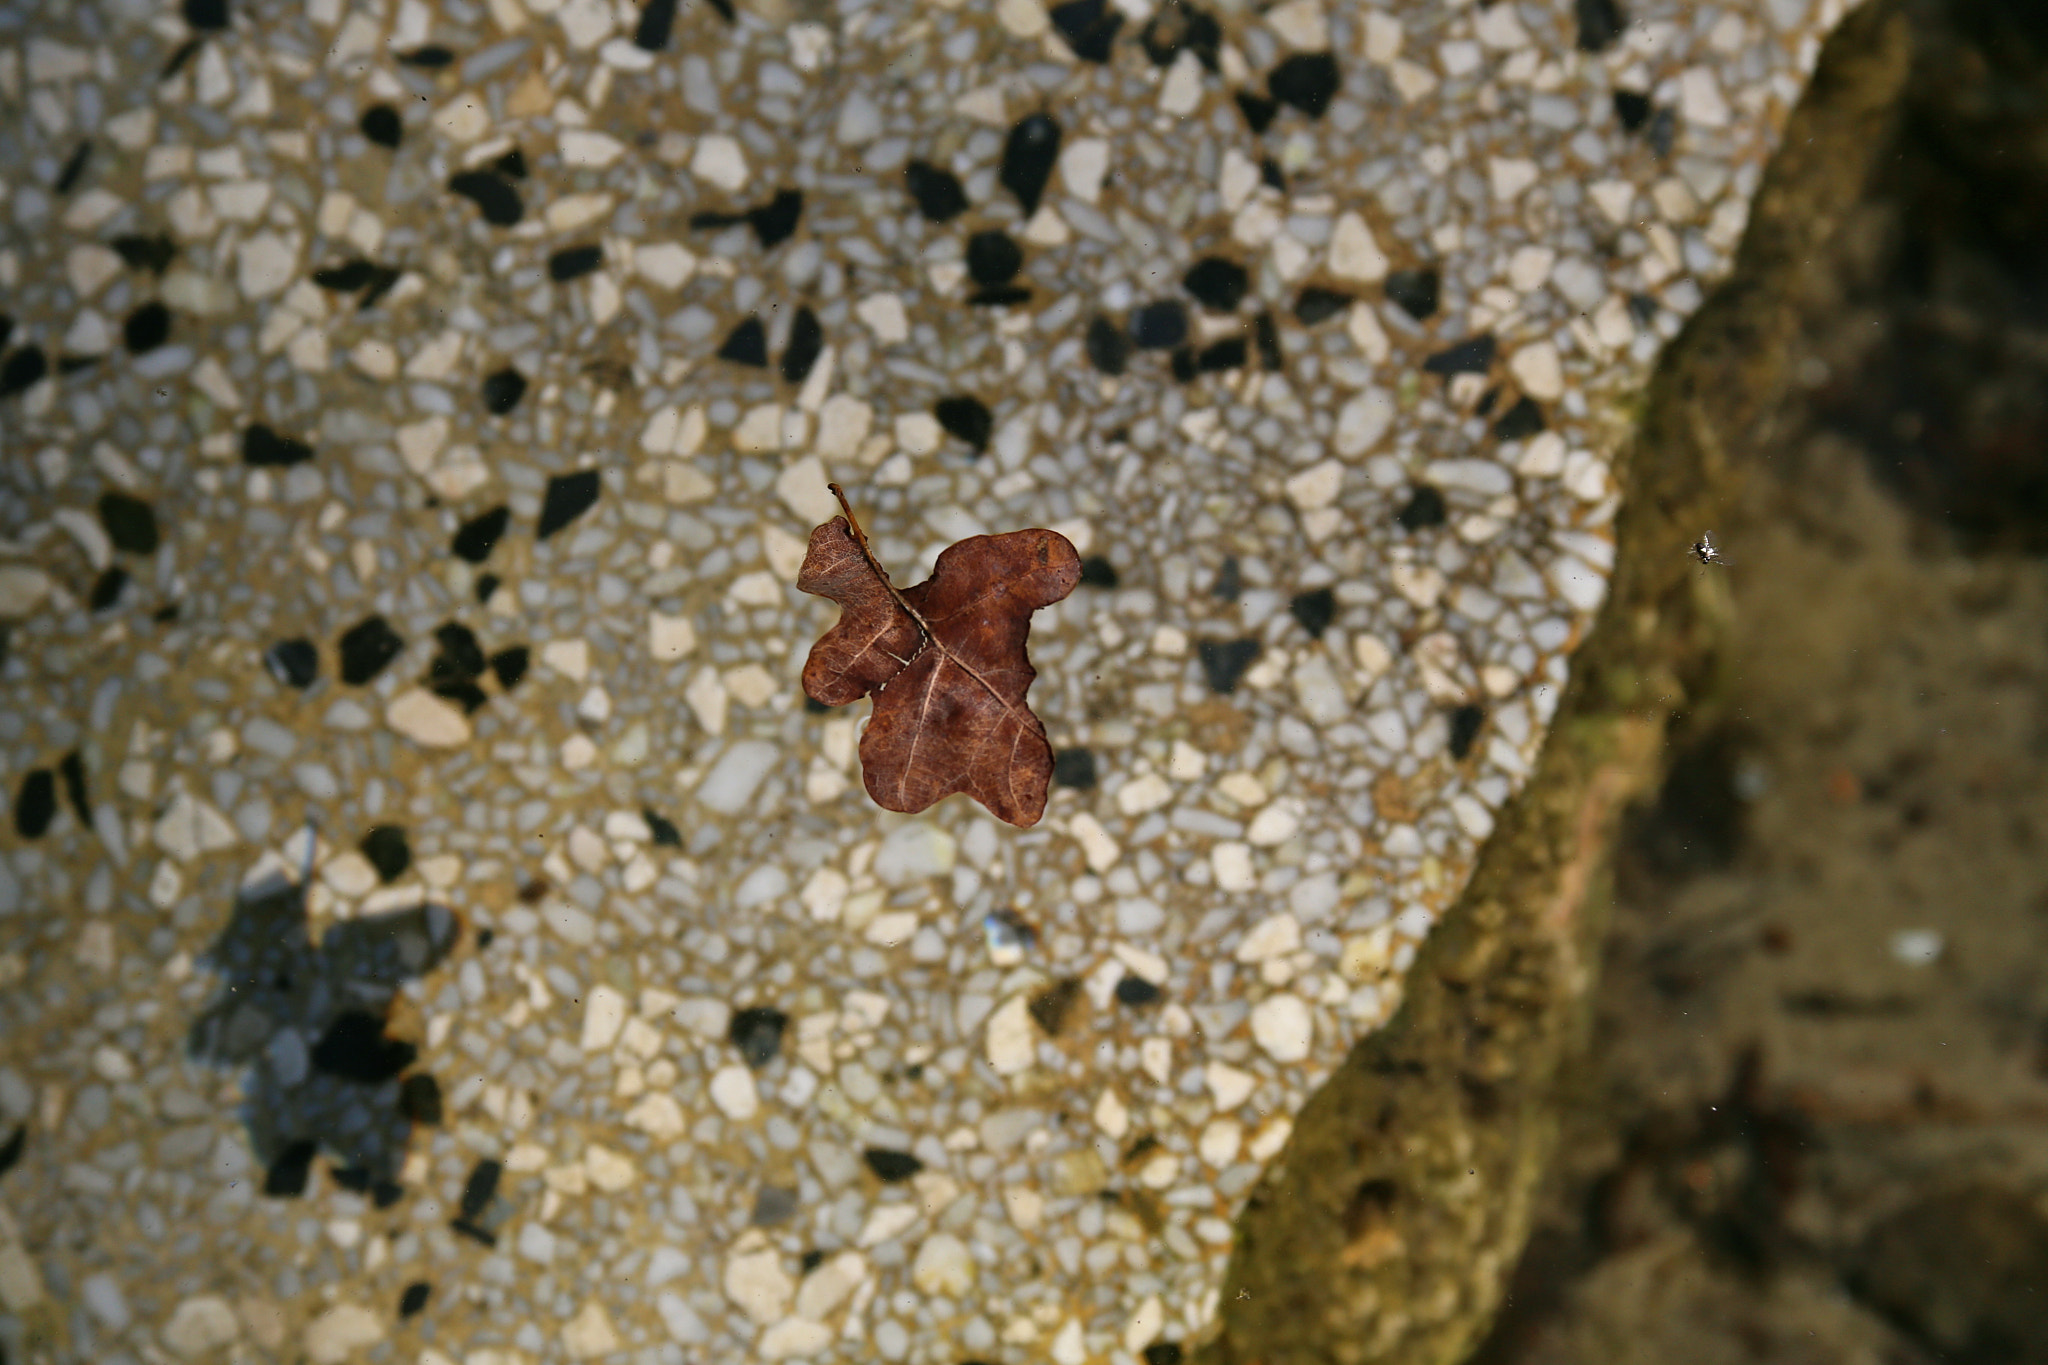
(1703, 550)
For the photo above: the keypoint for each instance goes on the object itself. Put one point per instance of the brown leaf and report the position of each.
(945, 662)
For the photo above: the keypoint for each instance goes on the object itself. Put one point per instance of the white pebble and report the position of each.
(943, 1266)
(590, 1333)
(1316, 486)
(1918, 947)
(201, 1326)
(1231, 864)
(719, 160)
(1228, 1085)
(342, 1331)
(737, 775)
(1354, 255)
(1275, 936)
(758, 1285)
(915, 851)
(427, 720)
(604, 1014)
(1097, 847)
(1011, 1042)
(1283, 1027)
(1142, 794)
(733, 1091)
(1083, 163)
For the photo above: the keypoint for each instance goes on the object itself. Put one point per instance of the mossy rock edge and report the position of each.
(1385, 1231)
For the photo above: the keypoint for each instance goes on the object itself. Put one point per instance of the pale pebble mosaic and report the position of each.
(1074, 1045)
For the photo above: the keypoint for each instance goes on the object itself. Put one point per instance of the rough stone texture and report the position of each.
(1385, 1230)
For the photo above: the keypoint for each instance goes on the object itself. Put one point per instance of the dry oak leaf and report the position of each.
(945, 662)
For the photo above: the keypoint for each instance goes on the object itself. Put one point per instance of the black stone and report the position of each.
(1089, 26)
(462, 692)
(1414, 290)
(473, 1232)
(1097, 572)
(354, 1179)
(354, 1048)
(475, 538)
(568, 497)
(486, 584)
(380, 124)
(21, 369)
(1269, 172)
(366, 647)
(206, 15)
(1231, 353)
(746, 344)
(35, 806)
(1160, 325)
(263, 447)
(386, 848)
(774, 1205)
(419, 1099)
(1307, 80)
(1484, 407)
(72, 364)
(757, 1033)
(107, 588)
(1258, 111)
(286, 1176)
(1316, 304)
(1109, 349)
(512, 165)
(1465, 723)
(967, 417)
(1314, 609)
(345, 278)
(1164, 1353)
(479, 1189)
(295, 663)
(1137, 992)
(460, 657)
(775, 221)
(10, 1150)
(1224, 662)
(1473, 355)
(1643, 309)
(1662, 133)
(414, 1299)
(1229, 584)
(725, 10)
(935, 191)
(491, 193)
(993, 257)
(1600, 23)
(572, 262)
(71, 769)
(179, 56)
(1268, 337)
(382, 277)
(657, 17)
(1520, 422)
(1632, 107)
(130, 522)
(73, 168)
(891, 1166)
(1177, 25)
(666, 835)
(502, 391)
(153, 252)
(1029, 154)
(432, 57)
(1000, 296)
(508, 665)
(1182, 364)
(1217, 283)
(1053, 1007)
(1074, 768)
(806, 344)
(1425, 508)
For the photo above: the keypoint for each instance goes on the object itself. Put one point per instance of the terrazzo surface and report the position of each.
(413, 416)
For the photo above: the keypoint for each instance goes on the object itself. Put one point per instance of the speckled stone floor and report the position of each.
(412, 418)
